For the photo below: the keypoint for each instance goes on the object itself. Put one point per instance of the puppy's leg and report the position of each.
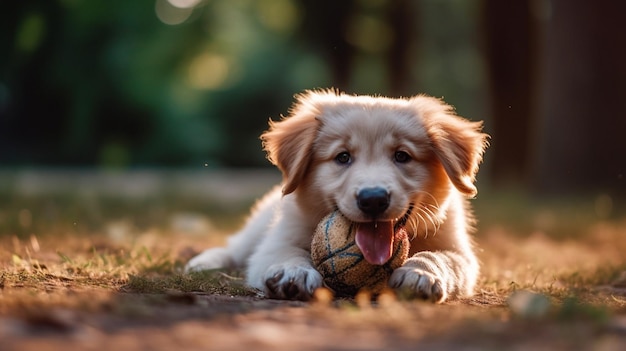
(444, 265)
(240, 245)
(436, 275)
(282, 267)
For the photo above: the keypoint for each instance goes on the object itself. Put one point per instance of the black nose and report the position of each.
(373, 201)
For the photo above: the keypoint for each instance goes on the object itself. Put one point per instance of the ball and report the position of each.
(341, 263)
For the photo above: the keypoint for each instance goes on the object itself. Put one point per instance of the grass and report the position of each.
(57, 254)
(210, 282)
(32, 275)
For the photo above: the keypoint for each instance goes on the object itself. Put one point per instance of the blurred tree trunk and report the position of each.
(580, 130)
(507, 26)
(324, 27)
(402, 19)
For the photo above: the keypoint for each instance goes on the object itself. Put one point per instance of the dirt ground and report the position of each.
(552, 279)
(581, 312)
(221, 325)
(214, 322)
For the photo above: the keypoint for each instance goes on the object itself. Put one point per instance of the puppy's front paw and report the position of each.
(417, 283)
(218, 257)
(291, 282)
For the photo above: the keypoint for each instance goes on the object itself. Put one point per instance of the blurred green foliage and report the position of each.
(192, 83)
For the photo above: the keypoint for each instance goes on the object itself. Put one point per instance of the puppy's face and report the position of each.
(379, 161)
(370, 161)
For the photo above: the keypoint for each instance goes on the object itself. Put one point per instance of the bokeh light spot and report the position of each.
(369, 34)
(170, 14)
(30, 32)
(279, 15)
(184, 4)
(208, 71)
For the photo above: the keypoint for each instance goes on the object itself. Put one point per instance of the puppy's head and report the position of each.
(379, 161)
(374, 158)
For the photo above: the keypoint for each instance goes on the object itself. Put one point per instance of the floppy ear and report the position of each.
(289, 142)
(458, 143)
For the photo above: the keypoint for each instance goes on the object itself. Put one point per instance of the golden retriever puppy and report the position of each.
(382, 162)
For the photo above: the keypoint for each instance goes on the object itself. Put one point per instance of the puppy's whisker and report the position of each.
(428, 211)
(413, 230)
(429, 217)
(419, 215)
(411, 225)
(432, 217)
(431, 196)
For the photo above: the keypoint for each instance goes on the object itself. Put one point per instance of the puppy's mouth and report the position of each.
(375, 239)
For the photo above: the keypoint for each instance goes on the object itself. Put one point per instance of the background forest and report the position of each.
(191, 83)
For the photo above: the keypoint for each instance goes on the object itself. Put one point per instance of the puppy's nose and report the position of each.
(373, 201)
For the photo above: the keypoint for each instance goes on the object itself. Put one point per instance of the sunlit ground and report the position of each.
(87, 257)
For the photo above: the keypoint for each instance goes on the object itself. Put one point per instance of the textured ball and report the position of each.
(345, 269)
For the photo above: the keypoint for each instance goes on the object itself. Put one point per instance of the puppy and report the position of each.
(382, 162)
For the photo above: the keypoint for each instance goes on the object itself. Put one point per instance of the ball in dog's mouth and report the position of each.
(347, 266)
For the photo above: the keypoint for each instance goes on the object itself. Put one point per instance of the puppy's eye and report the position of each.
(343, 158)
(402, 157)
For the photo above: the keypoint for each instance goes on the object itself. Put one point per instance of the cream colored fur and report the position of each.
(445, 151)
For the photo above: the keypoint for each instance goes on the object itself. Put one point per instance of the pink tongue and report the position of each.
(375, 241)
